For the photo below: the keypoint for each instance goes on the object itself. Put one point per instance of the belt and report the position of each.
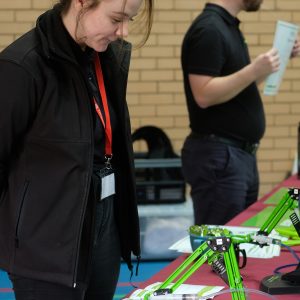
(250, 148)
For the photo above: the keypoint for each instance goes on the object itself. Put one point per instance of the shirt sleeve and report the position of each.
(206, 52)
(17, 109)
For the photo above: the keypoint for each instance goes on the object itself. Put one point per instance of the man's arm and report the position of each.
(208, 91)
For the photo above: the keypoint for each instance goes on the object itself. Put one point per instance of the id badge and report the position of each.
(107, 183)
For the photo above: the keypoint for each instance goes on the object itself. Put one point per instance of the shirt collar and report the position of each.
(223, 13)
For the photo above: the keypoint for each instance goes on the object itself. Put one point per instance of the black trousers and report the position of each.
(224, 179)
(100, 277)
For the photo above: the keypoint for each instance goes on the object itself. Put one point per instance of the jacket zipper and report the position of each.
(88, 187)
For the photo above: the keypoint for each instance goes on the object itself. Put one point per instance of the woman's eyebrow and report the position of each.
(123, 14)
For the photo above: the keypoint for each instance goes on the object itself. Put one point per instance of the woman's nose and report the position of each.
(122, 30)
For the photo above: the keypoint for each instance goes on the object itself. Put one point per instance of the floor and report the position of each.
(5, 287)
(146, 270)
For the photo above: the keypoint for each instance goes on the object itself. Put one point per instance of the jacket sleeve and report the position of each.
(17, 109)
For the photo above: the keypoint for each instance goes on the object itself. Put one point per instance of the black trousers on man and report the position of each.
(223, 178)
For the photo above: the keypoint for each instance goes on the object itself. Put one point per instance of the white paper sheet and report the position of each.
(284, 39)
(200, 290)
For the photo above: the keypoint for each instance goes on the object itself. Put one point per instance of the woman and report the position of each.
(68, 210)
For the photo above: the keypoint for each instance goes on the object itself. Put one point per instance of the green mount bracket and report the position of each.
(218, 251)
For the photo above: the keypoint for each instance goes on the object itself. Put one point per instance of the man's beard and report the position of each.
(252, 5)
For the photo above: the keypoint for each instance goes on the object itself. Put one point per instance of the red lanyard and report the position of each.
(107, 124)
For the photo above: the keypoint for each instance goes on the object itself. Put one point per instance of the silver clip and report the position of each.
(108, 159)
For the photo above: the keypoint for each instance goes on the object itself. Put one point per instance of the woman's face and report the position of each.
(107, 22)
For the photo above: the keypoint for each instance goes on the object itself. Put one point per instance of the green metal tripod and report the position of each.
(219, 252)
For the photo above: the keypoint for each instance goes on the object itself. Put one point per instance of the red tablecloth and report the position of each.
(252, 274)
(255, 270)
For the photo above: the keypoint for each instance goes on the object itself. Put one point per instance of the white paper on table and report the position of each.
(200, 290)
(255, 251)
(183, 245)
(284, 40)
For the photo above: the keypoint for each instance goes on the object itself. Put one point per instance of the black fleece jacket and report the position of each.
(47, 152)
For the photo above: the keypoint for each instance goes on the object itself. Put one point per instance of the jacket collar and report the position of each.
(56, 41)
(58, 44)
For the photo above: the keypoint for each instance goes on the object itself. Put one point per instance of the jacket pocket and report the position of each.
(20, 212)
(3, 194)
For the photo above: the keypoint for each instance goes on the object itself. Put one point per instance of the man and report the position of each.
(225, 111)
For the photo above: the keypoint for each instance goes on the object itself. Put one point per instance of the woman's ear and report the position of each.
(78, 4)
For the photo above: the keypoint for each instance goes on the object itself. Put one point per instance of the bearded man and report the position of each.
(225, 109)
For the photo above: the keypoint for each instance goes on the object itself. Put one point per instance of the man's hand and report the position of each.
(265, 64)
(296, 49)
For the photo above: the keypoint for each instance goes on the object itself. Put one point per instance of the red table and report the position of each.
(255, 270)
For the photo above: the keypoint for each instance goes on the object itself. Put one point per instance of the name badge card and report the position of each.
(107, 183)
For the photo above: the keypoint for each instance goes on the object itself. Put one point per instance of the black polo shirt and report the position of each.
(215, 46)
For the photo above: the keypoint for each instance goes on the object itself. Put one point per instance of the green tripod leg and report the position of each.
(286, 203)
(213, 251)
(233, 273)
(199, 257)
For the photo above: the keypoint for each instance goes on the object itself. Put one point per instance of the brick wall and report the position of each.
(155, 90)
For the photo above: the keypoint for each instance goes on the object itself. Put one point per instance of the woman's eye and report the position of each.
(116, 20)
